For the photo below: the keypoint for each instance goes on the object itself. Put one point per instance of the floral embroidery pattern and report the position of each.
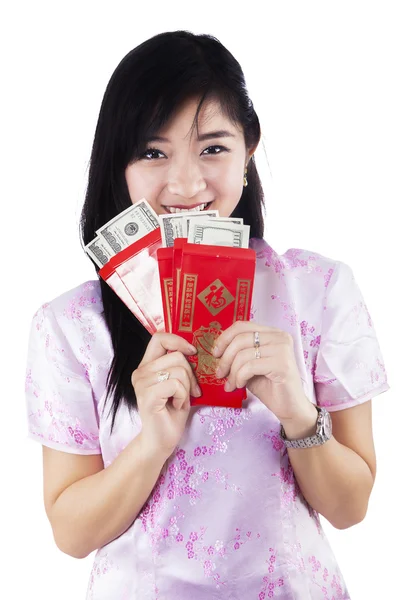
(328, 276)
(324, 379)
(79, 301)
(253, 312)
(184, 477)
(290, 491)
(293, 261)
(74, 313)
(210, 556)
(223, 424)
(293, 258)
(289, 313)
(49, 343)
(311, 343)
(63, 428)
(270, 583)
(321, 579)
(50, 416)
(272, 259)
(102, 565)
(360, 313)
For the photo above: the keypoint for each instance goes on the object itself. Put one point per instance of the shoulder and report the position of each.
(73, 315)
(299, 264)
(78, 303)
(73, 325)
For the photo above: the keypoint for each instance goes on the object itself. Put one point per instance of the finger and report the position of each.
(161, 342)
(238, 328)
(241, 342)
(157, 395)
(179, 405)
(259, 366)
(176, 359)
(247, 358)
(180, 399)
(244, 341)
(179, 373)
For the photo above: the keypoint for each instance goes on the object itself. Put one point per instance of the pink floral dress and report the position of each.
(226, 518)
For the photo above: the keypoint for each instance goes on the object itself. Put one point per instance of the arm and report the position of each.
(94, 509)
(336, 478)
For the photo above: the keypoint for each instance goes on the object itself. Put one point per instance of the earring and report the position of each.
(245, 182)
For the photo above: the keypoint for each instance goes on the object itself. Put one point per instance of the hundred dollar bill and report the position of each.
(215, 233)
(202, 214)
(175, 225)
(99, 251)
(129, 226)
(237, 220)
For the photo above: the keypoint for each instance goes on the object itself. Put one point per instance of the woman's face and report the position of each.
(181, 170)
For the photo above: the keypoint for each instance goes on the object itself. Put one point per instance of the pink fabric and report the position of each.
(226, 518)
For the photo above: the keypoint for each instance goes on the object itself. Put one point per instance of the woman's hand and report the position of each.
(274, 377)
(163, 422)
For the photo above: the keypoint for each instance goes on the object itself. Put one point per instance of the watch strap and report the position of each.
(315, 440)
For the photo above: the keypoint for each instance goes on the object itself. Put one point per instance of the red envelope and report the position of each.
(215, 286)
(133, 275)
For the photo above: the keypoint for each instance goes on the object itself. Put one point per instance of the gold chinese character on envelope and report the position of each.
(216, 297)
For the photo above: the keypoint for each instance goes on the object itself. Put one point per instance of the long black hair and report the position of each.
(145, 90)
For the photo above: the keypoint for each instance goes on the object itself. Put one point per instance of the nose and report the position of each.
(185, 180)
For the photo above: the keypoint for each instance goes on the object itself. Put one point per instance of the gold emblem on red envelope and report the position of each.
(168, 294)
(216, 297)
(204, 340)
(187, 306)
(243, 294)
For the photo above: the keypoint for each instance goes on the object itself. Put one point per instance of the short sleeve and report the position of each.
(349, 368)
(61, 409)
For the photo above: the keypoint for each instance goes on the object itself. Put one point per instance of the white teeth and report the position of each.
(173, 209)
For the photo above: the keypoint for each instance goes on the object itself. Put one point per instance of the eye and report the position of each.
(219, 148)
(150, 151)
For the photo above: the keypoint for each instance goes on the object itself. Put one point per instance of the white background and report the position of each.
(324, 79)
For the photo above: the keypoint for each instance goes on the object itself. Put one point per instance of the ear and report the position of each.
(250, 152)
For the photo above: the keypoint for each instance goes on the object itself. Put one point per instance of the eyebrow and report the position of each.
(211, 135)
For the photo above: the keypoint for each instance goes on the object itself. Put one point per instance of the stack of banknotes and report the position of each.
(140, 219)
(188, 272)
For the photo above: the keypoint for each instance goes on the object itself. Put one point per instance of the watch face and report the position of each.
(327, 424)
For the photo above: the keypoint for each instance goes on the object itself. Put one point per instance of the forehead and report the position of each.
(211, 116)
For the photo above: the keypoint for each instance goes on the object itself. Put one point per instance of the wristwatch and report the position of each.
(322, 435)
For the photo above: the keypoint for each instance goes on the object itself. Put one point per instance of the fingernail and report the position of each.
(192, 348)
(218, 373)
(197, 391)
(228, 387)
(216, 351)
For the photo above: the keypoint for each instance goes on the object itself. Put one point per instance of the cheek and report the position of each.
(140, 185)
(130, 181)
(227, 179)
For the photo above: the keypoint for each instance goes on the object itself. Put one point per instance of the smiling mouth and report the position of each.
(182, 209)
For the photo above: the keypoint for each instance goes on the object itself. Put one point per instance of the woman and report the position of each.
(204, 501)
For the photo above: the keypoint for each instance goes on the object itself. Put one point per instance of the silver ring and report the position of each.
(256, 339)
(162, 376)
(258, 353)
